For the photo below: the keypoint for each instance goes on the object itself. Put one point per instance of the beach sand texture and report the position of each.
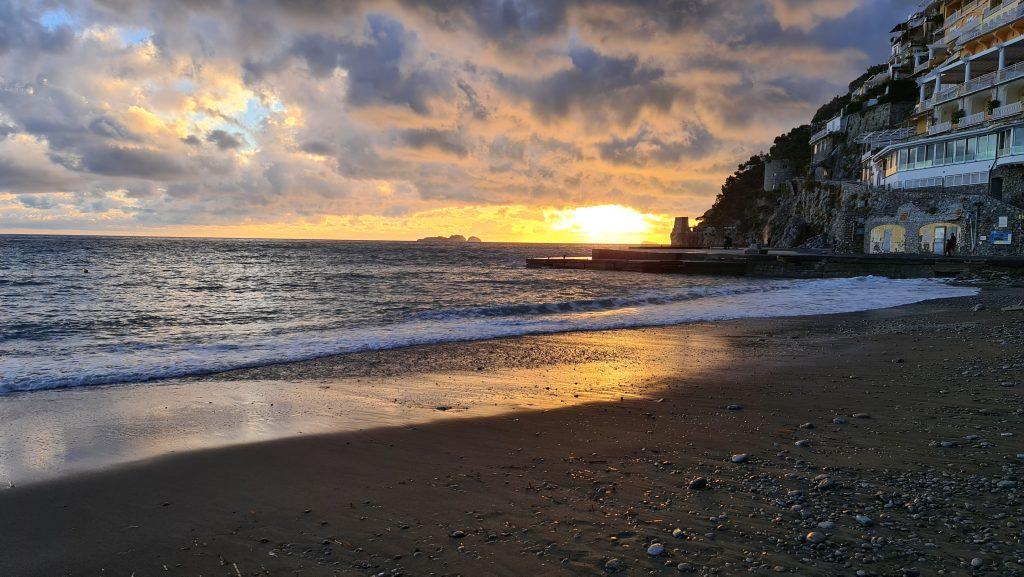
(886, 442)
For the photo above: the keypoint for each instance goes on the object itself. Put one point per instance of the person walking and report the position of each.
(950, 247)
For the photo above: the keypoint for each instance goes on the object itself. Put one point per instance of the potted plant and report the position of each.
(959, 114)
(992, 105)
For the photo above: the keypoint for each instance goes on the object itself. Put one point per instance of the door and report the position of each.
(939, 244)
(996, 188)
(887, 240)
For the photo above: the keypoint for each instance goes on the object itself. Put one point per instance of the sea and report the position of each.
(77, 311)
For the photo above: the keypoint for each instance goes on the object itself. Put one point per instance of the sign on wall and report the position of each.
(1001, 237)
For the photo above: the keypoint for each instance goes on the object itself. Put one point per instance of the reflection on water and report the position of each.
(52, 433)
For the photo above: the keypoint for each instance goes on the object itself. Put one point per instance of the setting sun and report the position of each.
(611, 223)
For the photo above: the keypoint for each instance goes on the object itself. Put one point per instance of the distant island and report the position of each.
(452, 238)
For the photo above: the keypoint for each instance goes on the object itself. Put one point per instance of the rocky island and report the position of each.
(453, 238)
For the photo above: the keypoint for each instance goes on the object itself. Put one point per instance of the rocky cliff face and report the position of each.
(817, 214)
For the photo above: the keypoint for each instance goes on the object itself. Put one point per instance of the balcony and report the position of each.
(922, 66)
(939, 128)
(990, 24)
(1005, 111)
(976, 118)
(979, 83)
(1011, 72)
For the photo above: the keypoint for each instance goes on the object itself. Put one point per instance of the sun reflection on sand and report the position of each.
(118, 424)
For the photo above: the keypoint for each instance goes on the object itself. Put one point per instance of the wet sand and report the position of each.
(918, 474)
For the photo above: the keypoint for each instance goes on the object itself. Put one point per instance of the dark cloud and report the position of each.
(134, 162)
(444, 140)
(645, 148)
(20, 28)
(317, 147)
(476, 107)
(225, 140)
(596, 85)
(377, 70)
(18, 175)
(38, 201)
(110, 128)
(192, 140)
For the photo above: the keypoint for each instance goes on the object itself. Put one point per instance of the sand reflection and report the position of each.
(53, 433)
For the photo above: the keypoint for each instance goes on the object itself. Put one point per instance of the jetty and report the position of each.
(780, 263)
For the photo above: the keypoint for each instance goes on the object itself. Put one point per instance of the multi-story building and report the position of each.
(958, 164)
(968, 120)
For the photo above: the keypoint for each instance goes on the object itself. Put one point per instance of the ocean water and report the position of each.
(77, 311)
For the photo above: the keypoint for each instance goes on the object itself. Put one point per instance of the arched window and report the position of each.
(887, 238)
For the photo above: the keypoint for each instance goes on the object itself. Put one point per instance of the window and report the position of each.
(936, 153)
(903, 159)
(959, 150)
(1004, 142)
(972, 147)
(912, 160)
(949, 151)
(987, 147)
(1018, 141)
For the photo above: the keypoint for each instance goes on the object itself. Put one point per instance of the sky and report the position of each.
(511, 120)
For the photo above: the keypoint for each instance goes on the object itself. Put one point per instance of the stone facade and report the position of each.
(777, 172)
(922, 220)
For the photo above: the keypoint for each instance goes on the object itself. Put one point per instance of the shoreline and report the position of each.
(556, 490)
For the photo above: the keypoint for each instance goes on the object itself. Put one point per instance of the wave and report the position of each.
(131, 364)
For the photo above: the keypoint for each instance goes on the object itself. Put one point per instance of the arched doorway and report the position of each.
(935, 236)
(887, 238)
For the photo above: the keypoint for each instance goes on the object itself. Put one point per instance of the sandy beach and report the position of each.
(879, 443)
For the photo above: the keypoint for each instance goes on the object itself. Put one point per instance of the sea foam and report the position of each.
(128, 363)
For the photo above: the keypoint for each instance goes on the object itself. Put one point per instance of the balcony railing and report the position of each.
(971, 120)
(922, 66)
(1008, 110)
(1011, 72)
(939, 128)
(946, 93)
(990, 24)
(995, 12)
(975, 84)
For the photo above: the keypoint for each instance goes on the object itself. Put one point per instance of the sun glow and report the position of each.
(609, 223)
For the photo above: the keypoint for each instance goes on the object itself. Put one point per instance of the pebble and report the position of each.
(1006, 484)
(977, 562)
(827, 525)
(864, 520)
(861, 416)
(734, 407)
(678, 533)
(839, 421)
(699, 483)
(740, 458)
(816, 537)
(807, 426)
(978, 307)
(655, 549)
(685, 568)
(458, 534)
(613, 565)
(803, 443)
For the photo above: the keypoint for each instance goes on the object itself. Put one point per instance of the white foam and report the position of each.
(780, 298)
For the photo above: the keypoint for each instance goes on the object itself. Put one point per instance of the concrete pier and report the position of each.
(781, 263)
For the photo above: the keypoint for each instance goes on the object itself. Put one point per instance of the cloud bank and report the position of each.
(391, 118)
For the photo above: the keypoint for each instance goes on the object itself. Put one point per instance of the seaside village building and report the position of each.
(951, 164)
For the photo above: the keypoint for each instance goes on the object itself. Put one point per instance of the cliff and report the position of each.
(798, 201)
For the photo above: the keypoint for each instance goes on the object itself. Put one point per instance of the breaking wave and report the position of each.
(125, 362)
